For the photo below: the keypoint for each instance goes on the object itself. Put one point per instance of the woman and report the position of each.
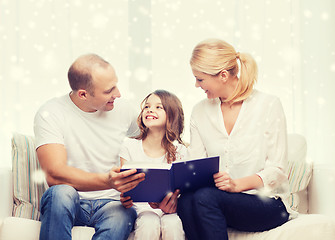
(247, 129)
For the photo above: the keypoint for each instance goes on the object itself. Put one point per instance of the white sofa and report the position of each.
(22, 186)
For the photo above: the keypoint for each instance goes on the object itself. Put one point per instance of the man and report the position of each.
(78, 139)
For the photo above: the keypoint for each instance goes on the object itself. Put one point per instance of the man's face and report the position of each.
(105, 89)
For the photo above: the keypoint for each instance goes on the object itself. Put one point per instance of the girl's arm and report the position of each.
(168, 204)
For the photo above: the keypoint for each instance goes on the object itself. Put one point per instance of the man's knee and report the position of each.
(60, 196)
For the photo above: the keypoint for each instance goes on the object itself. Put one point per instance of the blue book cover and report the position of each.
(162, 178)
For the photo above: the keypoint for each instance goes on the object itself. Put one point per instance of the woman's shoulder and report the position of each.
(259, 96)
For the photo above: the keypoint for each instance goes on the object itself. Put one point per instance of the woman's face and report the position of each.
(209, 83)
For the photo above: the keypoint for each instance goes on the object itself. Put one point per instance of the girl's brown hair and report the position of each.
(174, 122)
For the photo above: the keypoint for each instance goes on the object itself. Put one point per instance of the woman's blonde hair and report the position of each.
(212, 56)
(174, 122)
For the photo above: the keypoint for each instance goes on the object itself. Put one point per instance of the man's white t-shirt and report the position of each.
(92, 140)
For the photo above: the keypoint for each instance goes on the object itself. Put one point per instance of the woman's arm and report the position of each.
(274, 172)
(224, 182)
(196, 148)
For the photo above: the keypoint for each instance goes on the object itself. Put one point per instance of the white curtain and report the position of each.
(317, 102)
(150, 42)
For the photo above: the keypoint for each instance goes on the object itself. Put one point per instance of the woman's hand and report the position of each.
(127, 202)
(169, 203)
(224, 182)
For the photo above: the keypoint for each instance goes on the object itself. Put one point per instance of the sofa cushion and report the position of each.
(305, 226)
(30, 230)
(28, 181)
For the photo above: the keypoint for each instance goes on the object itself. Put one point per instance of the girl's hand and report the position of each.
(126, 201)
(224, 182)
(154, 205)
(169, 203)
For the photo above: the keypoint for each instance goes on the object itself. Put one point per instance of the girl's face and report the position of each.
(209, 83)
(153, 114)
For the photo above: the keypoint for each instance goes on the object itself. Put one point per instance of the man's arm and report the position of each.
(53, 160)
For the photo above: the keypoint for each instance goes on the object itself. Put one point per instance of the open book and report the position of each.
(162, 178)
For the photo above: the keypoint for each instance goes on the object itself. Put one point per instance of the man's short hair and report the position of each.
(80, 72)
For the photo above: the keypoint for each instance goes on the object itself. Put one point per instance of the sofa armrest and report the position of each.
(6, 193)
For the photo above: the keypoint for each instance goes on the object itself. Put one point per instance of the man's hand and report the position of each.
(169, 203)
(127, 202)
(124, 181)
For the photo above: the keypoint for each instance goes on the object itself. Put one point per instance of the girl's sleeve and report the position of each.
(124, 152)
(273, 175)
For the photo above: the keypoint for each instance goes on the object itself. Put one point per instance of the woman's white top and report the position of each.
(257, 143)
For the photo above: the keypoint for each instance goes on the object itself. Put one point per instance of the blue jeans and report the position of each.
(208, 212)
(61, 209)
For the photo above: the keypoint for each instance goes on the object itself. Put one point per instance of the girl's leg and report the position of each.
(216, 210)
(171, 227)
(147, 226)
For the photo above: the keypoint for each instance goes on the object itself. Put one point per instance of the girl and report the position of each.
(247, 129)
(161, 122)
